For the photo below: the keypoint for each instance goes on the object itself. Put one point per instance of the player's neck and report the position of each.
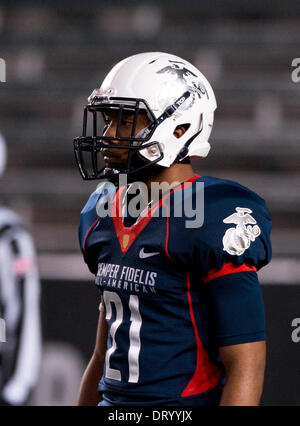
(176, 173)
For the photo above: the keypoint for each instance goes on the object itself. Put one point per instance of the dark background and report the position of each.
(56, 53)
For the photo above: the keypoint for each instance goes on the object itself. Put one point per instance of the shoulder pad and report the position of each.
(105, 192)
(237, 225)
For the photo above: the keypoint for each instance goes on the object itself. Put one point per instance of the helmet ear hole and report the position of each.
(180, 130)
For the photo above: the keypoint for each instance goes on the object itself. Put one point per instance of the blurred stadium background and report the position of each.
(56, 53)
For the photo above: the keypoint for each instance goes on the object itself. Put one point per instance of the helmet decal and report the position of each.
(179, 70)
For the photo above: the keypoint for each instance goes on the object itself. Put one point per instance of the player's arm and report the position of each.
(245, 366)
(88, 391)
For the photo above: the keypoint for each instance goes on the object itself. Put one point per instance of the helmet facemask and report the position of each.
(89, 149)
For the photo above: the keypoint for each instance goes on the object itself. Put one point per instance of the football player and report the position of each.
(20, 340)
(181, 314)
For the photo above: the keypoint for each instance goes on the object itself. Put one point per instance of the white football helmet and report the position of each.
(173, 93)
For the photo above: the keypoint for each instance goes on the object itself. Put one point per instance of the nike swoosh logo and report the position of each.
(144, 255)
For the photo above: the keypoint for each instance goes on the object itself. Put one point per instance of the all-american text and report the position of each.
(127, 278)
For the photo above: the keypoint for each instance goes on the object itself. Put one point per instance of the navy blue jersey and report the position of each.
(173, 293)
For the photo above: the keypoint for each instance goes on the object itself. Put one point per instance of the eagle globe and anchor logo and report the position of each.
(184, 77)
(180, 72)
(237, 240)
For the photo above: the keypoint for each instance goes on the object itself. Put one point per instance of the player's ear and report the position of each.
(180, 130)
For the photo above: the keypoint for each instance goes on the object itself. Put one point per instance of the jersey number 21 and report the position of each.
(110, 298)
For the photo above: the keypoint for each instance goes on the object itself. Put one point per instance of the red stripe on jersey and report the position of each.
(88, 232)
(189, 181)
(167, 231)
(227, 269)
(207, 375)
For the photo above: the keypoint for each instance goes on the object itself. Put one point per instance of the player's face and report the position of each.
(114, 157)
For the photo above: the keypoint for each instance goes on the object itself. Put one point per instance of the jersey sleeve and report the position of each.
(233, 244)
(237, 308)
